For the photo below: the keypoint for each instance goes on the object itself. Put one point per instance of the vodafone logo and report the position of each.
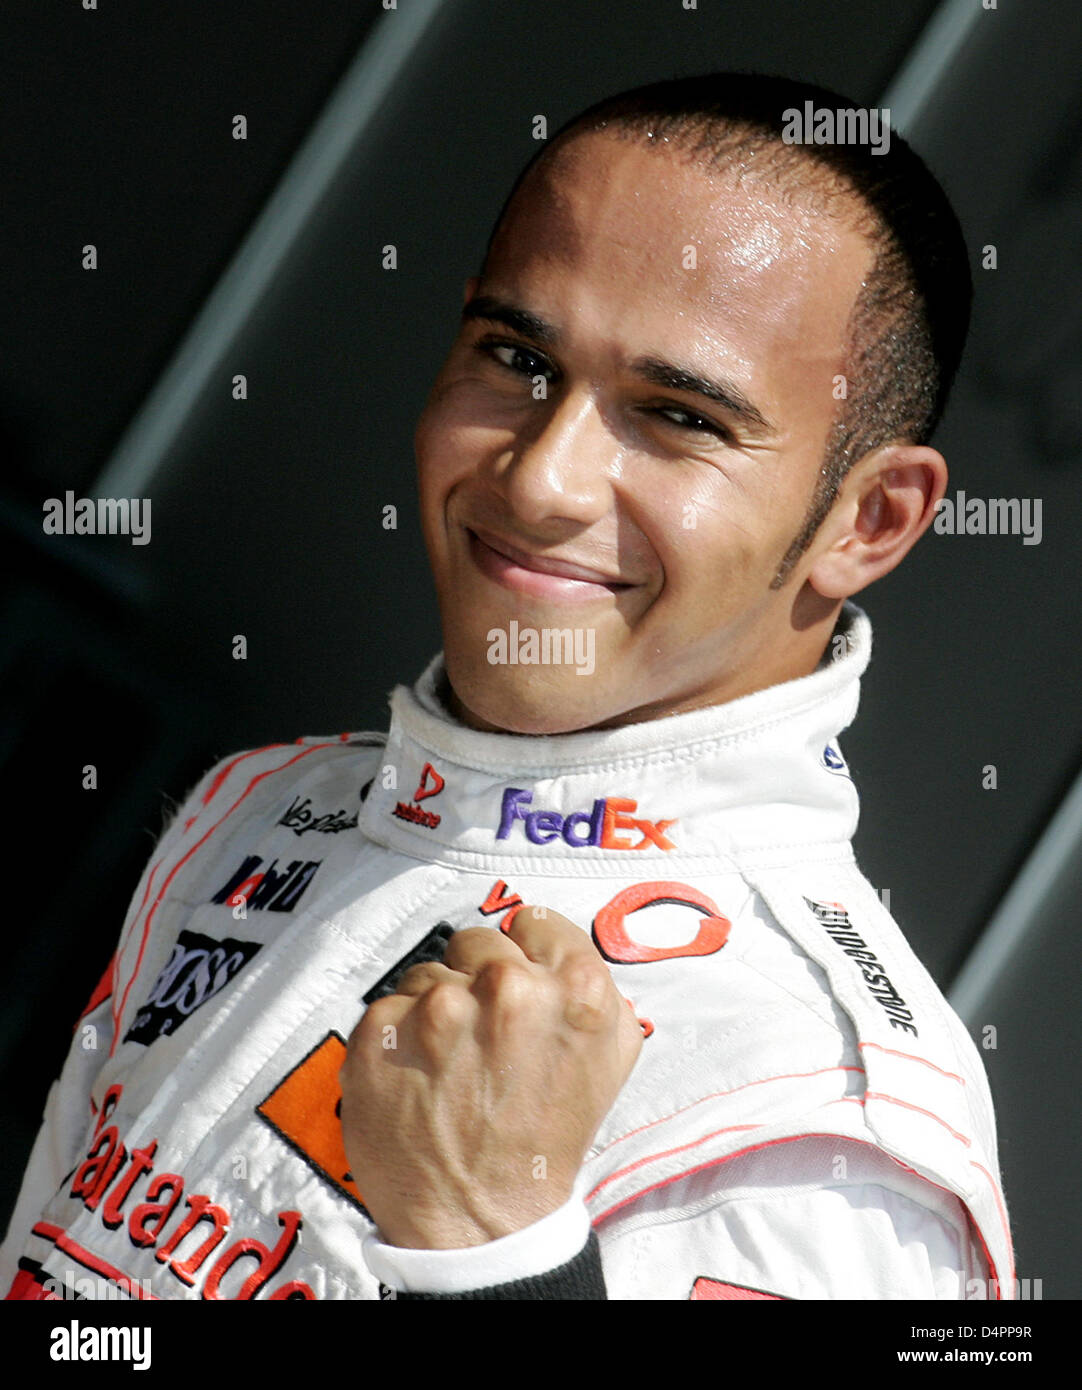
(610, 931)
(616, 944)
(430, 784)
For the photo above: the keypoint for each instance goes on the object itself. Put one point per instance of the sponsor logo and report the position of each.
(198, 969)
(599, 827)
(304, 1109)
(499, 899)
(704, 1289)
(300, 820)
(277, 890)
(617, 945)
(430, 947)
(819, 125)
(130, 1195)
(609, 929)
(833, 761)
(431, 784)
(834, 919)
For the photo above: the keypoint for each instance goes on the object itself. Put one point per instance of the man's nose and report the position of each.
(563, 463)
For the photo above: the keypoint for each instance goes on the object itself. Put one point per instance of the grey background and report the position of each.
(266, 514)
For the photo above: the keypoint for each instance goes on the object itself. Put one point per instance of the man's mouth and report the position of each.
(542, 576)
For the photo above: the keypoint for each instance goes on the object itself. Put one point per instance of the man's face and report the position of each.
(574, 476)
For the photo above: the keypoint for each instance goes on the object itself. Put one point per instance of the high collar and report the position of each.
(729, 785)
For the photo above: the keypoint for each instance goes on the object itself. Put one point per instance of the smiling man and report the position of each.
(631, 1022)
(654, 489)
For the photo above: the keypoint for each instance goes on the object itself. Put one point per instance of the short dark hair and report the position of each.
(908, 324)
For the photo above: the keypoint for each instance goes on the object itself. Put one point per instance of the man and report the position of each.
(631, 1022)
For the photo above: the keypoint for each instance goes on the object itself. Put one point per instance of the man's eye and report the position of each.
(519, 359)
(688, 419)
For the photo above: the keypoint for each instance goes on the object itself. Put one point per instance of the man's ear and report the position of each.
(471, 289)
(884, 505)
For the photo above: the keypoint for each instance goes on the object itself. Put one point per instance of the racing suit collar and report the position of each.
(736, 782)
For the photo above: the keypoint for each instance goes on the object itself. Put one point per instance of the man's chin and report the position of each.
(534, 702)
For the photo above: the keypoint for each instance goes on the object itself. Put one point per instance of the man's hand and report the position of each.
(470, 1096)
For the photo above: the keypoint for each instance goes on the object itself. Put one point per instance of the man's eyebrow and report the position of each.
(655, 369)
(487, 306)
(725, 393)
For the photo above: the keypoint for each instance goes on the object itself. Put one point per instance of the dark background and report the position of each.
(214, 259)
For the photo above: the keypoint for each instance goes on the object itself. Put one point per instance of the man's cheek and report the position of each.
(722, 553)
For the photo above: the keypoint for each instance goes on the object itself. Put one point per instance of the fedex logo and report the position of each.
(599, 827)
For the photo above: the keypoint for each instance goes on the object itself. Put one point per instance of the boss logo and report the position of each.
(198, 969)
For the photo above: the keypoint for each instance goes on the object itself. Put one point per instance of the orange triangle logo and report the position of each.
(303, 1109)
(424, 788)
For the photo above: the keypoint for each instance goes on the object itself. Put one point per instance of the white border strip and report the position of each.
(384, 54)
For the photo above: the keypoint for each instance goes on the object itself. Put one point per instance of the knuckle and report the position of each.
(587, 982)
(462, 943)
(506, 980)
(417, 977)
(442, 1009)
(584, 1017)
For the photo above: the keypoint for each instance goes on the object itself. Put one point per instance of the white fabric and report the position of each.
(536, 1249)
(817, 1219)
(709, 856)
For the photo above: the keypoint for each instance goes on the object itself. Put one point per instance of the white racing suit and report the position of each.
(807, 1117)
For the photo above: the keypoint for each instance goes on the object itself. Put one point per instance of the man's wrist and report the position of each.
(448, 1224)
(544, 1245)
(580, 1278)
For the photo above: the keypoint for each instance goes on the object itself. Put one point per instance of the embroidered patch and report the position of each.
(258, 886)
(197, 969)
(430, 784)
(304, 1110)
(430, 947)
(704, 1288)
(835, 921)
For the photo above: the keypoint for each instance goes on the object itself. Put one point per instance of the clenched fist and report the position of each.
(470, 1096)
